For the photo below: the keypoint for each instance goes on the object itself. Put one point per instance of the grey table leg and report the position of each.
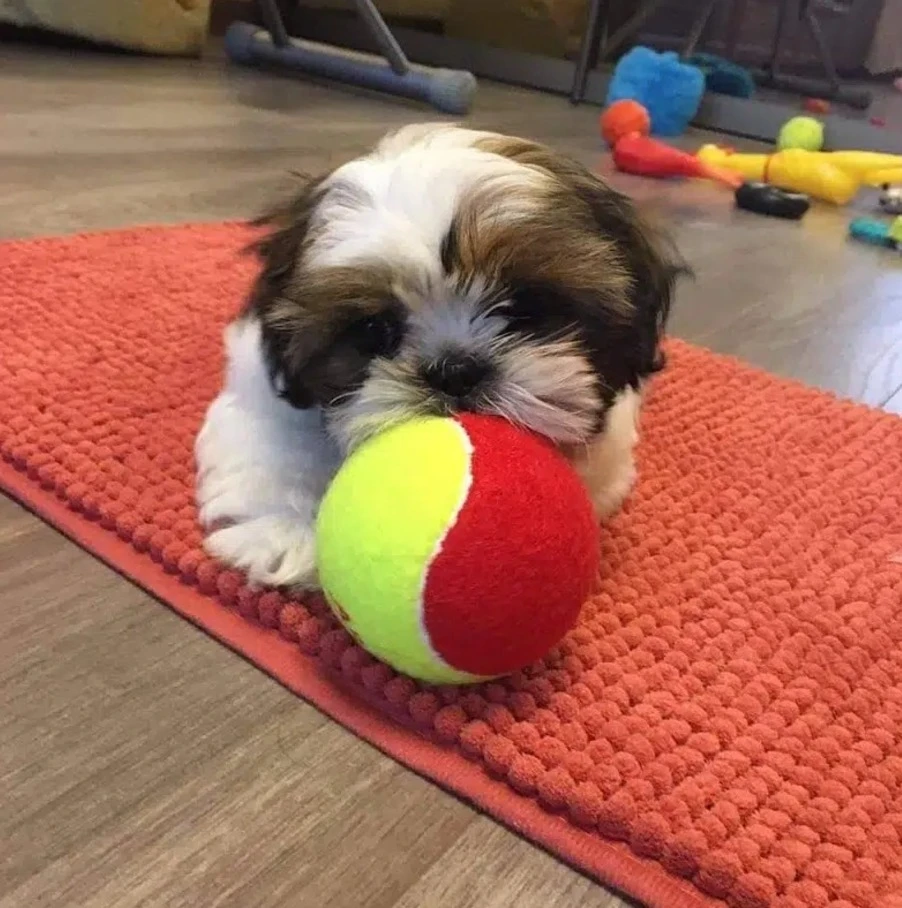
(698, 27)
(382, 35)
(588, 49)
(272, 22)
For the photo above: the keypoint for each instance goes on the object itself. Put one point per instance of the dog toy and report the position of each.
(801, 132)
(667, 88)
(457, 549)
(623, 118)
(816, 105)
(834, 176)
(763, 198)
(624, 126)
(795, 170)
(882, 178)
(877, 233)
(890, 198)
(869, 166)
(722, 76)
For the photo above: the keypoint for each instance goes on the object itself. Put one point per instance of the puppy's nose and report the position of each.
(456, 376)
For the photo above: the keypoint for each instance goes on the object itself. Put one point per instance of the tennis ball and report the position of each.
(457, 549)
(801, 132)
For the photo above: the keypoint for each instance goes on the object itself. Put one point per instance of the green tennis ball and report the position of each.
(801, 132)
(457, 549)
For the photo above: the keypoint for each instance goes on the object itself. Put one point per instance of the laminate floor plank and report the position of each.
(143, 764)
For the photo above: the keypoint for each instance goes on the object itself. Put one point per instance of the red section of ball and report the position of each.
(520, 559)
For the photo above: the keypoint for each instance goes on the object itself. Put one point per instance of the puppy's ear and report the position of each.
(287, 228)
(321, 326)
(652, 262)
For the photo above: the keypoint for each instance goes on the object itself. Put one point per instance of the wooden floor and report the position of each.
(140, 762)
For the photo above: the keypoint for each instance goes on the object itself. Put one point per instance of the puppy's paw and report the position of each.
(609, 497)
(271, 550)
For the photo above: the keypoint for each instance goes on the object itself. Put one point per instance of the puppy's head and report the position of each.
(454, 270)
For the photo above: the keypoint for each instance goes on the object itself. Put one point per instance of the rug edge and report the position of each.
(40, 239)
(283, 661)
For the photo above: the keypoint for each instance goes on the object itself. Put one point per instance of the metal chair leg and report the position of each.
(388, 46)
(781, 35)
(823, 48)
(272, 22)
(735, 20)
(646, 10)
(588, 49)
(698, 27)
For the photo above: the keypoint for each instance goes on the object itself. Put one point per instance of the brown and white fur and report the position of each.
(447, 270)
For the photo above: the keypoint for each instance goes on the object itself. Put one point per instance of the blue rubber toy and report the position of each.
(668, 89)
(877, 233)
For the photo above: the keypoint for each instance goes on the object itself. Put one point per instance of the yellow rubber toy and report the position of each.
(751, 166)
(794, 169)
(834, 176)
(863, 163)
(882, 177)
(809, 172)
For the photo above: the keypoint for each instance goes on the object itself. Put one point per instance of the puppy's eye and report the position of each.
(378, 335)
(527, 309)
(541, 310)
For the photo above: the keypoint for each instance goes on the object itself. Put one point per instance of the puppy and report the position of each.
(448, 270)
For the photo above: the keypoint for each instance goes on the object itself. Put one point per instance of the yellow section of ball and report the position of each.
(379, 526)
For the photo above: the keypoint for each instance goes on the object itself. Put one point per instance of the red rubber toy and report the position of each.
(625, 126)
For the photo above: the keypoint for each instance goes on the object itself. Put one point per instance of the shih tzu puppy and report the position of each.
(447, 270)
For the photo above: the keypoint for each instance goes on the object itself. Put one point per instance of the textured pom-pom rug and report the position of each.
(726, 721)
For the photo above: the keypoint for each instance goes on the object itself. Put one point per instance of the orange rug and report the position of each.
(726, 721)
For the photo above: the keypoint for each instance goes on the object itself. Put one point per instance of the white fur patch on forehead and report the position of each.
(438, 135)
(398, 202)
(456, 322)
